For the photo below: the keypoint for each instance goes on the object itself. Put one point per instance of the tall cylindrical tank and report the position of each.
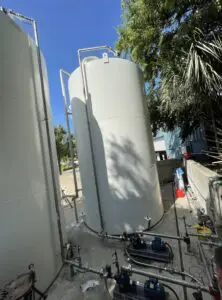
(28, 219)
(121, 146)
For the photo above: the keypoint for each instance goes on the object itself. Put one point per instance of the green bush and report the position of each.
(66, 167)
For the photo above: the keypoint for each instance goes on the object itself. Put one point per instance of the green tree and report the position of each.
(177, 44)
(74, 149)
(61, 144)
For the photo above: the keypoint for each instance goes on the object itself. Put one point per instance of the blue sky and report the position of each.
(64, 27)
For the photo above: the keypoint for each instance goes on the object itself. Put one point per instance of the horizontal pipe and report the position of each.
(173, 237)
(85, 268)
(167, 279)
(18, 15)
(97, 48)
(164, 269)
(112, 237)
(204, 235)
(143, 273)
(211, 244)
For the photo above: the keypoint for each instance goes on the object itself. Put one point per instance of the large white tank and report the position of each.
(28, 219)
(122, 146)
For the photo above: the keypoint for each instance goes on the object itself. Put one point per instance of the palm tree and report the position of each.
(193, 91)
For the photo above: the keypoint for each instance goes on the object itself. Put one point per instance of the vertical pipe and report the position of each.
(69, 132)
(75, 210)
(205, 264)
(53, 172)
(179, 243)
(211, 182)
(91, 143)
(88, 123)
(215, 182)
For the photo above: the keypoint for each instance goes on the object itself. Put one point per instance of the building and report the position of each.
(169, 145)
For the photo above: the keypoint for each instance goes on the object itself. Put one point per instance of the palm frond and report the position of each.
(203, 61)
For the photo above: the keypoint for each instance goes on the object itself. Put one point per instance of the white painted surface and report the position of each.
(198, 177)
(28, 224)
(159, 145)
(122, 144)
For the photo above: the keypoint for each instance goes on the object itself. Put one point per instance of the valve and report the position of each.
(148, 219)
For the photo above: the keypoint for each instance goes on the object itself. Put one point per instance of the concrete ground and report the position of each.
(97, 252)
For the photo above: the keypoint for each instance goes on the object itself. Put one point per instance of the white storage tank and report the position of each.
(121, 146)
(28, 219)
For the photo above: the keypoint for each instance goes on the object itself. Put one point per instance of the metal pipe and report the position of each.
(91, 140)
(18, 15)
(53, 171)
(172, 271)
(182, 283)
(205, 265)
(95, 49)
(142, 273)
(179, 242)
(75, 209)
(211, 244)
(61, 72)
(212, 236)
(66, 73)
(85, 268)
(53, 280)
(173, 237)
(112, 237)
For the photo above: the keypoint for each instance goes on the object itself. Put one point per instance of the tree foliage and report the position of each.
(62, 145)
(177, 44)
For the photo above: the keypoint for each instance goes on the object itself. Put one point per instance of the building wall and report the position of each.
(197, 141)
(173, 143)
(207, 189)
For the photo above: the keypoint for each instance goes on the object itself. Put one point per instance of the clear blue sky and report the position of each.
(64, 27)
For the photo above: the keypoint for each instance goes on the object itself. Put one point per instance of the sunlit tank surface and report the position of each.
(28, 219)
(122, 146)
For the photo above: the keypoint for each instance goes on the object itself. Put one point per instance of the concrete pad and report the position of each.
(98, 252)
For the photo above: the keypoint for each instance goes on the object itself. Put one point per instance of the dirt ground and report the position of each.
(66, 182)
